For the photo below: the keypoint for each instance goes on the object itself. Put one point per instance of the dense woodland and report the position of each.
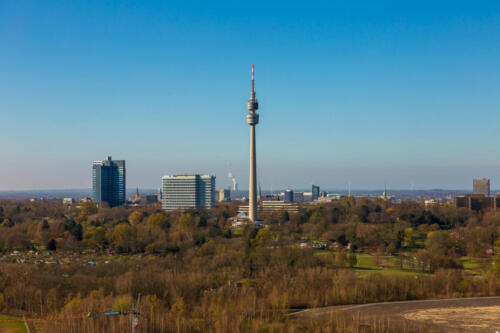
(195, 273)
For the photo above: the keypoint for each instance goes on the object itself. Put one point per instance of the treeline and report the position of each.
(197, 274)
(437, 235)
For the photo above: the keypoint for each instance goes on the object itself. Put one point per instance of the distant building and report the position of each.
(323, 194)
(477, 202)
(298, 196)
(270, 197)
(315, 193)
(288, 195)
(68, 201)
(108, 182)
(188, 192)
(272, 206)
(151, 198)
(431, 202)
(481, 186)
(224, 195)
(158, 195)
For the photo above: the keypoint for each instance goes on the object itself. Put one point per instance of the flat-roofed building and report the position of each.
(298, 196)
(224, 195)
(315, 193)
(288, 196)
(108, 182)
(68, 201)
(271, 206)
(477, 202)
(481, 186)
(181, 192)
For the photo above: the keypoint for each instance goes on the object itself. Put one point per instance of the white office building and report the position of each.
(181, 192)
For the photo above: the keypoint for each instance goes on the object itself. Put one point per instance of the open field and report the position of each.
(469, 319)
(11, 324)
(474, 314)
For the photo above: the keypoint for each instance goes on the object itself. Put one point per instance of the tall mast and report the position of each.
(252, 120)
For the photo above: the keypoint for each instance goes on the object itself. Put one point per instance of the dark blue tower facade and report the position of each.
(108, 182)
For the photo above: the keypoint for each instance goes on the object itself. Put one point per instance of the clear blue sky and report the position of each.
(370, 92)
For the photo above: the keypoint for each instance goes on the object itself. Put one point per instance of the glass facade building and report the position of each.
(315, 193)
(188, 192)
(108, 182)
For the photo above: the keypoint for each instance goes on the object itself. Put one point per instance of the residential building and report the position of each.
(108, 182)
(181, 192)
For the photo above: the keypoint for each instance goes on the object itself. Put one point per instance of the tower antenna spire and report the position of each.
(252, 80)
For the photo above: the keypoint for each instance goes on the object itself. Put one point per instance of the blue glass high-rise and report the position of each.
(108, 182)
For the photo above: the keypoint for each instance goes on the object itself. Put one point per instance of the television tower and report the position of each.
(252, 120)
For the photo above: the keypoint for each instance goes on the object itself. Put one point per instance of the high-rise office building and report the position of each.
(315, 193)
(288, 195)
(108, 182)
(188, 192)
(481, 186)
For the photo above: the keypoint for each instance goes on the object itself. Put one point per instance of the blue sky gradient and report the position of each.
(367, 92)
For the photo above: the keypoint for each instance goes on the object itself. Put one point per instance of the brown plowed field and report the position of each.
(475, 314)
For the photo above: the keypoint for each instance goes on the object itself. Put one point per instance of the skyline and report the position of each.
(374, 95)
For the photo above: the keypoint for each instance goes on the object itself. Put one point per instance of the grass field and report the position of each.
(10, 324)
(387, 264)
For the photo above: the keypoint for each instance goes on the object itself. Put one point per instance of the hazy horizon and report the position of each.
(367, 93)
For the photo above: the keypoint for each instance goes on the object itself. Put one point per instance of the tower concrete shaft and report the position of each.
(252, 120)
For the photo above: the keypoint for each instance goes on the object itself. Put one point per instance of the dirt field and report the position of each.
(467, 319)
(476, 314)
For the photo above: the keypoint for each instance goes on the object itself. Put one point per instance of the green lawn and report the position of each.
(237, 232)
(388, 264)
(9, 324)
(476, 266)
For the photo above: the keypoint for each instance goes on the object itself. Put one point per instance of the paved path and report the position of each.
(397, 311)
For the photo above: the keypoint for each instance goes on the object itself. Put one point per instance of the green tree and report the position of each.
(124, 303)
(157, 220)
(123, 237)
(87, 208)
(135, 217)
(186, 223)
(95, 236)
(409, 238)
